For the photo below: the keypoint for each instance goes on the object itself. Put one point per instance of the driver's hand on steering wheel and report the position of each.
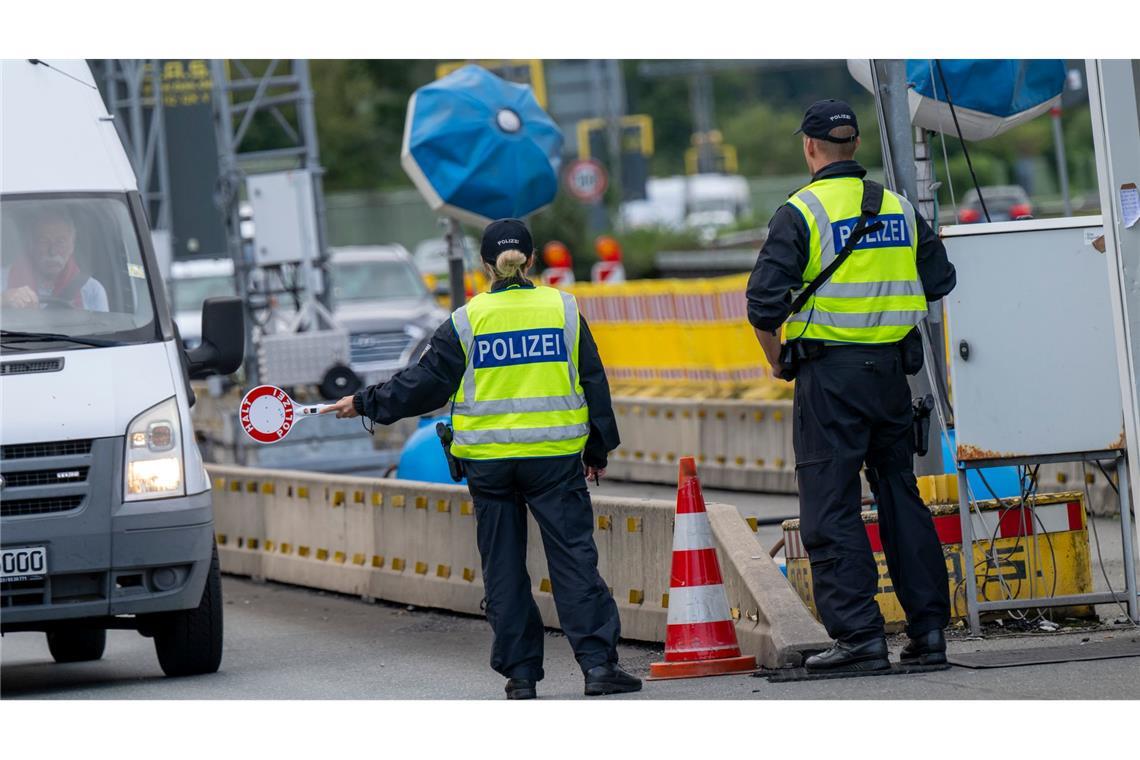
(22, 297)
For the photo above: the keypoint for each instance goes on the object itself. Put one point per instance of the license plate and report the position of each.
(26, 563)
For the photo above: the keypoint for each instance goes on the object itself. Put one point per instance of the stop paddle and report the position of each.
(268, 414)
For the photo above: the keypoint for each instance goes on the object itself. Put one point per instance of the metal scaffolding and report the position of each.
(276, 96)
(132, 90)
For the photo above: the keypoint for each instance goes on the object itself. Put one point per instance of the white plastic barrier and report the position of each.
(414, 543)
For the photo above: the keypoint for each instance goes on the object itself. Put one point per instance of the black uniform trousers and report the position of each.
(853, 405)
(555, 490)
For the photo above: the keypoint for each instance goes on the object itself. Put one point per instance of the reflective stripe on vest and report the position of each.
(876, 296)
(520, 395)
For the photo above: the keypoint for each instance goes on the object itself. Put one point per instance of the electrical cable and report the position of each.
(958, 129)
(1096, 538)
(942, 140)
(1107, 477)
(1028, 488)
(1113, 486)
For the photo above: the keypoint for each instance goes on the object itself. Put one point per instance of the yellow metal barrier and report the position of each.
(661, 337)
(1015, 555)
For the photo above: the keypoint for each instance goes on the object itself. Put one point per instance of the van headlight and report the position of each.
(154, 454)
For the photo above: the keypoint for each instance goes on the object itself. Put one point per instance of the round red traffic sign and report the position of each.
(586, 180)
(266, 414)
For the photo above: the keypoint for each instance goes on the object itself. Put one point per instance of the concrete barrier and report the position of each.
(738, 444)
(414, 543)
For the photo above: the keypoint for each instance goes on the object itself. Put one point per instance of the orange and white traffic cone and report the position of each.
(700, 638)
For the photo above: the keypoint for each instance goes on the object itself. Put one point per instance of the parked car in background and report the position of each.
(380, 297)
(1004, 202)
(191, 283)
(701, 201)
(431, 258)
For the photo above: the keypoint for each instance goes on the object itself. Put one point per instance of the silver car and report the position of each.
(381, 299)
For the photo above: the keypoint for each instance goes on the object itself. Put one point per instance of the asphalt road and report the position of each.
(284, 642)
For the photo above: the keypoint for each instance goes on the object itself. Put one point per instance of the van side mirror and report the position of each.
(223, 339)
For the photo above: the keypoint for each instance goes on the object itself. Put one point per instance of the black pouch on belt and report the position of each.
(454, 466)
(910, 348)
(921, 423)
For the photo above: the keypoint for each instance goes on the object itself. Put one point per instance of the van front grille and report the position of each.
(60, 476)
(48, 449)
(21, 507)
(22, 593)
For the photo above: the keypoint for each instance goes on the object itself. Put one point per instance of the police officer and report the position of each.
(852, 402)
(532, 420)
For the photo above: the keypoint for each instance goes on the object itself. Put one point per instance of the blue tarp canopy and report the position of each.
(480, 148)
(996, 87)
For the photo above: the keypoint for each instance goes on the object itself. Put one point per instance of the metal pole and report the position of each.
(1126, 537)
(1114, 101)
(164, 218)
(973, 616)
(1062, 164)
(901, 172)
(308, 124)
(700, 106)
(613, 125)
(229, 178)
(455, 268)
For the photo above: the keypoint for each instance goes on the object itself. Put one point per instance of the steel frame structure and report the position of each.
(138, 118)
(281, 90)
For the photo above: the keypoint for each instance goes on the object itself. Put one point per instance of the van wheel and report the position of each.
(77, 645)
(189, 642)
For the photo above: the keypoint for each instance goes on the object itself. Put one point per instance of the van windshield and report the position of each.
(72, 266)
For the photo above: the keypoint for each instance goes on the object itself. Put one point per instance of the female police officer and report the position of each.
(530, 407)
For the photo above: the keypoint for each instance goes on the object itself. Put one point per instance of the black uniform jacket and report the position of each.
(780, 266)
(429, 385)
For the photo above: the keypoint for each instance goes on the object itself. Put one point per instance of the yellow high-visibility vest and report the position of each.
(520, 395)
(876, 295)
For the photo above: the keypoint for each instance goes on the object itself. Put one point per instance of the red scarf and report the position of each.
(22, 275)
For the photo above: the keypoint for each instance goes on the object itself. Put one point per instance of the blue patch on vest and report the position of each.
(894, 233)
(507, 349)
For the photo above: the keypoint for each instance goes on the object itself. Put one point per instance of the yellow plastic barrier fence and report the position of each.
(669, 335)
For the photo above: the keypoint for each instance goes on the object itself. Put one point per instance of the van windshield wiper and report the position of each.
(15, 336)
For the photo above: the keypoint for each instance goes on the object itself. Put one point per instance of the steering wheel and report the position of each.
(52, 302)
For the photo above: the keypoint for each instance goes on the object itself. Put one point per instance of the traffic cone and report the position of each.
(700, 637)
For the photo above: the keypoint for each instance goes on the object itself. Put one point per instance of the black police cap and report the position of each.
(824, 116)
(505, 235)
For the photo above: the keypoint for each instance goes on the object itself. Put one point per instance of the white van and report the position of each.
(106, 516)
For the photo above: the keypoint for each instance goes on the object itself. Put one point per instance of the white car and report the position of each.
(191, 283)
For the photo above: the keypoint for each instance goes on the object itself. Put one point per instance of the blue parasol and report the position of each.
(480, 148)
(990, 96)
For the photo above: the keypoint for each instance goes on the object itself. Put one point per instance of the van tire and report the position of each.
(189, 642)
(77, 644)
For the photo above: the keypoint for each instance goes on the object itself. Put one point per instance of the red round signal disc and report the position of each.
(266, 414)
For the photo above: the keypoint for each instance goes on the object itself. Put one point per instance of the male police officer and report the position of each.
(531, 407)
(852, 401)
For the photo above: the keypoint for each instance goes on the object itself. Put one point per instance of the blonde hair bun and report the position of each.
(509, 264)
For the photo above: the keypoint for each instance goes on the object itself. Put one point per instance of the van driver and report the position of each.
(49, 273)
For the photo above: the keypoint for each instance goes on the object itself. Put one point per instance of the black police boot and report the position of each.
(610, 679)
(927, 649)
(865, 655)
(521, 688)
